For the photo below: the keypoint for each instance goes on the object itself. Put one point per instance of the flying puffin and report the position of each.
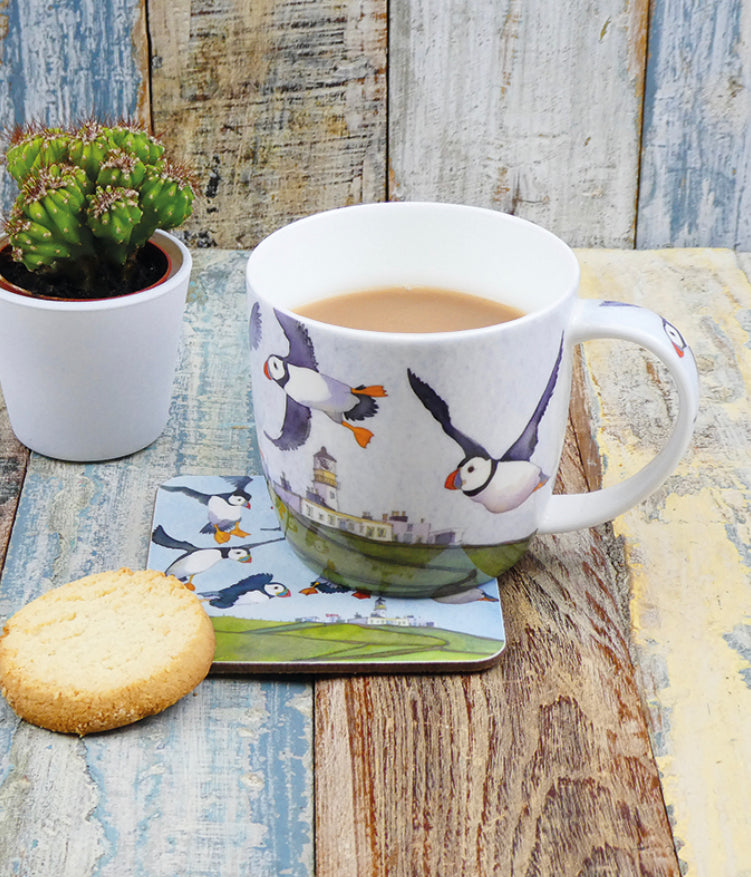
(224, 509)
(307, 389)
(325, 586)
(257, 588)
(194, 561)
(498, 484)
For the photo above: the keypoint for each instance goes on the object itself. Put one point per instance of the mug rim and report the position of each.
(570, 287)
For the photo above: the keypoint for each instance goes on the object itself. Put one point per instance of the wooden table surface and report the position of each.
(612, 738)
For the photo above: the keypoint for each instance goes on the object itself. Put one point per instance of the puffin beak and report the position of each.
(266, 371)
(247, 559)
(453, 482)
(678, 351)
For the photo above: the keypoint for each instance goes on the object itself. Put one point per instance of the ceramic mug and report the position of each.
(438, 483)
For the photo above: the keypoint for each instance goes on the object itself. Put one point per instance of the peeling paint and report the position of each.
(739, 639)
(688, 545)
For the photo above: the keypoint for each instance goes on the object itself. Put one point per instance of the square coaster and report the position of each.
(220, 535)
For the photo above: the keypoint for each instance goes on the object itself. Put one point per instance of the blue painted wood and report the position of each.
(696, 156)
(221, 783)
(63, 60)
(66, 60)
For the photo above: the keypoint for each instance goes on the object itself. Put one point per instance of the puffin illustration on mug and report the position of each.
(500, 484)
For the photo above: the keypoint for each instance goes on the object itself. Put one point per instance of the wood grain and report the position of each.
(696, 156)
(540, 766)
(221, 783)
(280, 105)
(687, 546)
(539, 109)
(67, 60)
(14, 458)
(532, 108)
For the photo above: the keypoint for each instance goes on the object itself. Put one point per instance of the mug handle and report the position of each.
(607, 319)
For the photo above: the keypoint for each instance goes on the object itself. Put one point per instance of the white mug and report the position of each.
(438, 480)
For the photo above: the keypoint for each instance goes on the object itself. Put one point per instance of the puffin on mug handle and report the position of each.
(606, 319)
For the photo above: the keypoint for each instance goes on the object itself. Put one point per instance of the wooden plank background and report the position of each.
(69, 60)
(694, 186)
(532, 108)
(280, 104)
(615, 123)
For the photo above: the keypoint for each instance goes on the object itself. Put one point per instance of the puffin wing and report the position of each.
(524, 446)
(439, 409)
(255, 326)
(296, 427)
(301, 350)
(188, 491)
(161, 537)
(240, 482)
(227, 597)
(251, 583)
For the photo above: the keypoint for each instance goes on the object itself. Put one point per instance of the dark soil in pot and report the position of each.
(147, 269)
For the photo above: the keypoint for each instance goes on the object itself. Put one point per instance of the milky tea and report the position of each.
(409, 309)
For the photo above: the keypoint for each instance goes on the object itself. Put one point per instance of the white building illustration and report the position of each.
(377, 618)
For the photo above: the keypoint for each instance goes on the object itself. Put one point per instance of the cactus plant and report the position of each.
(89, 199)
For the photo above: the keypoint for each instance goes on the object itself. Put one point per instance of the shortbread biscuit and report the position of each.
(105, 651)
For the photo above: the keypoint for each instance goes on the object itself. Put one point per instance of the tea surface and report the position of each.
(409, 309)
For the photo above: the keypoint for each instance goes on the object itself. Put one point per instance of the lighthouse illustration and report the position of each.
(324, 489)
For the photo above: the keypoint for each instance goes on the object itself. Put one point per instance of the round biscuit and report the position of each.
(104, 651)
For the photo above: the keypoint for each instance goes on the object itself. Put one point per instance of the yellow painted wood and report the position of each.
(687, 547)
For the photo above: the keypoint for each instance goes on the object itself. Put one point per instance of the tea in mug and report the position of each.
(409, 309)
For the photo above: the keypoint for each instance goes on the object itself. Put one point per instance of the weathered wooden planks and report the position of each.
(541, 765)
(280, 105)
(553, 111)
(222, 782)
(530, 107)
(687, 547)
(696, 156)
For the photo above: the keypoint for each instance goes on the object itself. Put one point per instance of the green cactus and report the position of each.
(35, 148)
(89, 199)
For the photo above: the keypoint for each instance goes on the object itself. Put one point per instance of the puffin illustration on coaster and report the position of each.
(221, 537)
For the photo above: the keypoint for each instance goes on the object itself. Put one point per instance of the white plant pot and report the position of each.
(92, 380)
